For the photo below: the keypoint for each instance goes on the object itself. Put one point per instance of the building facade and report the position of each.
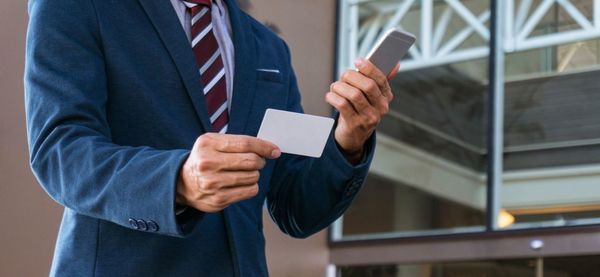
(487, 164)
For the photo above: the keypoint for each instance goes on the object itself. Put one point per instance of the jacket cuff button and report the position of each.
(133, 223)
(152, 226)
(142, 225)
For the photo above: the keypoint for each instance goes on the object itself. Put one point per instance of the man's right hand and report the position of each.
(222, 170)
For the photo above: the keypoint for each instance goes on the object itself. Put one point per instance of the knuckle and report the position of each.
(355, 96)
(344, 104)
(331, 97)
(205, 185)
(346, 75)
(204, 140)
(238, 179)
(253, 161)
(370, 85)
(211, 183)
(203, 164)
(245, 144)
(220, 200)
(229, 143)
(373, 120)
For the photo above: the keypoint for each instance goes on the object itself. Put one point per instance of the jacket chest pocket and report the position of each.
(271, 93)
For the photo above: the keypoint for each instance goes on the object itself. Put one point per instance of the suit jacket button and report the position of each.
(133, 224)
(142, 225)
(152, 226)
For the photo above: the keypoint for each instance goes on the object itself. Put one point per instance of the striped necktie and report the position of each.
(210, 62)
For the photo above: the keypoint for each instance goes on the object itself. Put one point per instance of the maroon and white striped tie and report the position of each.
(210, 62)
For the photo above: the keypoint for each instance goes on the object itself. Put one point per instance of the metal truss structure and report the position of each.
(437, 44)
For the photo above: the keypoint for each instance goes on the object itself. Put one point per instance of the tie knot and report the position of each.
(193, 3)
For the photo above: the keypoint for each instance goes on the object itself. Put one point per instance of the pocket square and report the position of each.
(268, 70)
(266, 74)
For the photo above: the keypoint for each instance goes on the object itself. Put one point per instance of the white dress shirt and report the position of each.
(222, 31)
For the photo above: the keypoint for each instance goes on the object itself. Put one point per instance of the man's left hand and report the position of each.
(362, 97)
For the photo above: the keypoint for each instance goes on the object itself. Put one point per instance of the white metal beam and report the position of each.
(460, 37)
(400, 13)
(535, 18)
(524, 8)
(519, 20)
(440, 28)
(426, 27)
(509, 27)
(597, 14)
(575, 14)
(468, 16)
(371, 35)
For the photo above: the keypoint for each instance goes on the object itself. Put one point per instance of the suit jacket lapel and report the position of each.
(244, 84)
(165, 21)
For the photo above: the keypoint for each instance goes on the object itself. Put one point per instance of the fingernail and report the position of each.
(358, 63)
(275, 154)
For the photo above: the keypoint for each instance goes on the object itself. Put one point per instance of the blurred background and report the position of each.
(487, 165)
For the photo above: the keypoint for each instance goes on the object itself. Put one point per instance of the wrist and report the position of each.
(179, 188)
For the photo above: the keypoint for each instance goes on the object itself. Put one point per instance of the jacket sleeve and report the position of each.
(71, 152)
(306, 194)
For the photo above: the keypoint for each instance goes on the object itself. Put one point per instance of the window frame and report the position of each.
(494, 171)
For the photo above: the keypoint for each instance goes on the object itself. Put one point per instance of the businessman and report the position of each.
(141, 117)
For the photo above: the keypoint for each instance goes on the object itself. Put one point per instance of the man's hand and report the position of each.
(222, 170)
(362, 97)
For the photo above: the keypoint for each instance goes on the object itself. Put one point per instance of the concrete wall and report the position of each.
(30, 219)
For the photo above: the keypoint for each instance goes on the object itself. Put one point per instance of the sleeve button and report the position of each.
(133, 224)
(152, 226)
(142, 225)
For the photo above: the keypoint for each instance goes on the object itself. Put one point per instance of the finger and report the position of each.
(341, 104)
(365, 84)
(353, 95)
(245, 144)
(229, 179)
(368, 69)
(394, 72)
(241, 162)
(237, 194)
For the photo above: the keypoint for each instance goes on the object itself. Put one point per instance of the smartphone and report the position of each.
(390, 49)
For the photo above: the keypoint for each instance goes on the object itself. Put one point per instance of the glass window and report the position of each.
(552, 119)
(429, 172)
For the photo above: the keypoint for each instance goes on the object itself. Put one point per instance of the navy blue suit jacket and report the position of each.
(114, 105)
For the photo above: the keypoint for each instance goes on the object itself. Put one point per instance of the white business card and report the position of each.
(296, 133)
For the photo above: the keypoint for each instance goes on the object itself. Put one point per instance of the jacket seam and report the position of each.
(97, 247)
